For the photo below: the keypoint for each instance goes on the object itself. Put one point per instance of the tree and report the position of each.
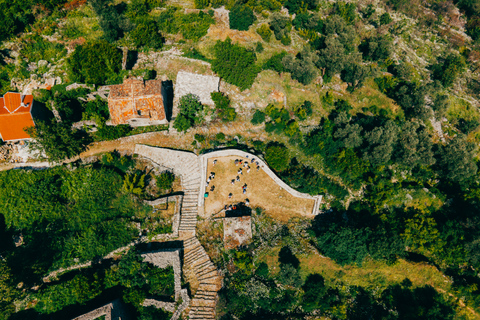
(191, 112)
(146, 34)
(112, 23)
(134, 183)
(8, 292)
(280, 25)
(277, 157)
(235, 64)
(377, 48)
(241, 17)
(457, 160)
(222, 105)
(94, 63)
(264, 32)
(448, 70)
(286, 256)
(355, 75)
(58, 140)
(275, 62)
(302, 67)
(332, 58)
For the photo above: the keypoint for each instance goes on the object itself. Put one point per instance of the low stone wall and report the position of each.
(234, 152)
(111, 311)
(165, 258)
(176, 216)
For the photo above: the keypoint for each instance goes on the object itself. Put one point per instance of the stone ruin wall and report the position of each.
(198, 84)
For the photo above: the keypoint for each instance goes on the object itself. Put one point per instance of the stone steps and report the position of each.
(202, 303)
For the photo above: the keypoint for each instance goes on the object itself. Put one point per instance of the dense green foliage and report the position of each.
(222, 107)
(64, 216)
(235, 64)
(95, 63)
(241, 17)
(277, 157)
(146, 34)
(191, 112)
(191, 26)
(58, 140)
(132, 278)
(165, 180)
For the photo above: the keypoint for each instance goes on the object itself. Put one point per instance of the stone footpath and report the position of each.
(186, 165)
(204, 302)
(196, 259)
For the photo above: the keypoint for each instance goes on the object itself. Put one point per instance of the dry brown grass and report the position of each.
(262, 191)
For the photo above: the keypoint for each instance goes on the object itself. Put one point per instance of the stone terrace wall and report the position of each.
(111, 311)
(165, 258)
(233, 152)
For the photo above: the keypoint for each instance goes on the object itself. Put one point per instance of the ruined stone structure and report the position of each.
(197, 84)
(236, 231)
(137, 103)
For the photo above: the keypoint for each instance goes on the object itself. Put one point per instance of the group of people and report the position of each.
(244, 165)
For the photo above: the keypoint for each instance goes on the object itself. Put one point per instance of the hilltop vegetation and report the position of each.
(373, 105)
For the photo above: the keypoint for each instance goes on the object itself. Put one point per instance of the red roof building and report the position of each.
(15, 116)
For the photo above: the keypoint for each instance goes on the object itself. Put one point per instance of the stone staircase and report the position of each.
(202, 305)
(191, 178)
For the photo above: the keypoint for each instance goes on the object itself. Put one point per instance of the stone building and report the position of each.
(137, 103)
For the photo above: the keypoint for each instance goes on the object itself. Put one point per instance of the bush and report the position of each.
(258, 118)
(105, 132)
(94, 63)
(385, 19)
(241, 17)
(376, 48)
(303, 111)
(220, 136)
(235, 64)
(264, 32)
(297, 6)
(192, 26)
(165, 180)
(277, 157)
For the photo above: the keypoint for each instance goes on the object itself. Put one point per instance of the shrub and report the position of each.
(220, 136)
(241, 17)
(201, 4)
(105, 132)
(376, 48)
(297, 6)
(304, 110)
(277, 157)
(165, 180)
(235, 64)
(264, 32)
(192, 26)
(258, 117)
(134, 184)
(259, 47)
(94, 63)
(191, 112)
(385, 19)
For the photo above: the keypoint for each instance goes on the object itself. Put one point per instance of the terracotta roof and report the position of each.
(14, 117)
(136, 99)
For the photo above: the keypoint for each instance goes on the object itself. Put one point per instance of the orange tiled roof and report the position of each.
(14, 117)
(136, 99)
